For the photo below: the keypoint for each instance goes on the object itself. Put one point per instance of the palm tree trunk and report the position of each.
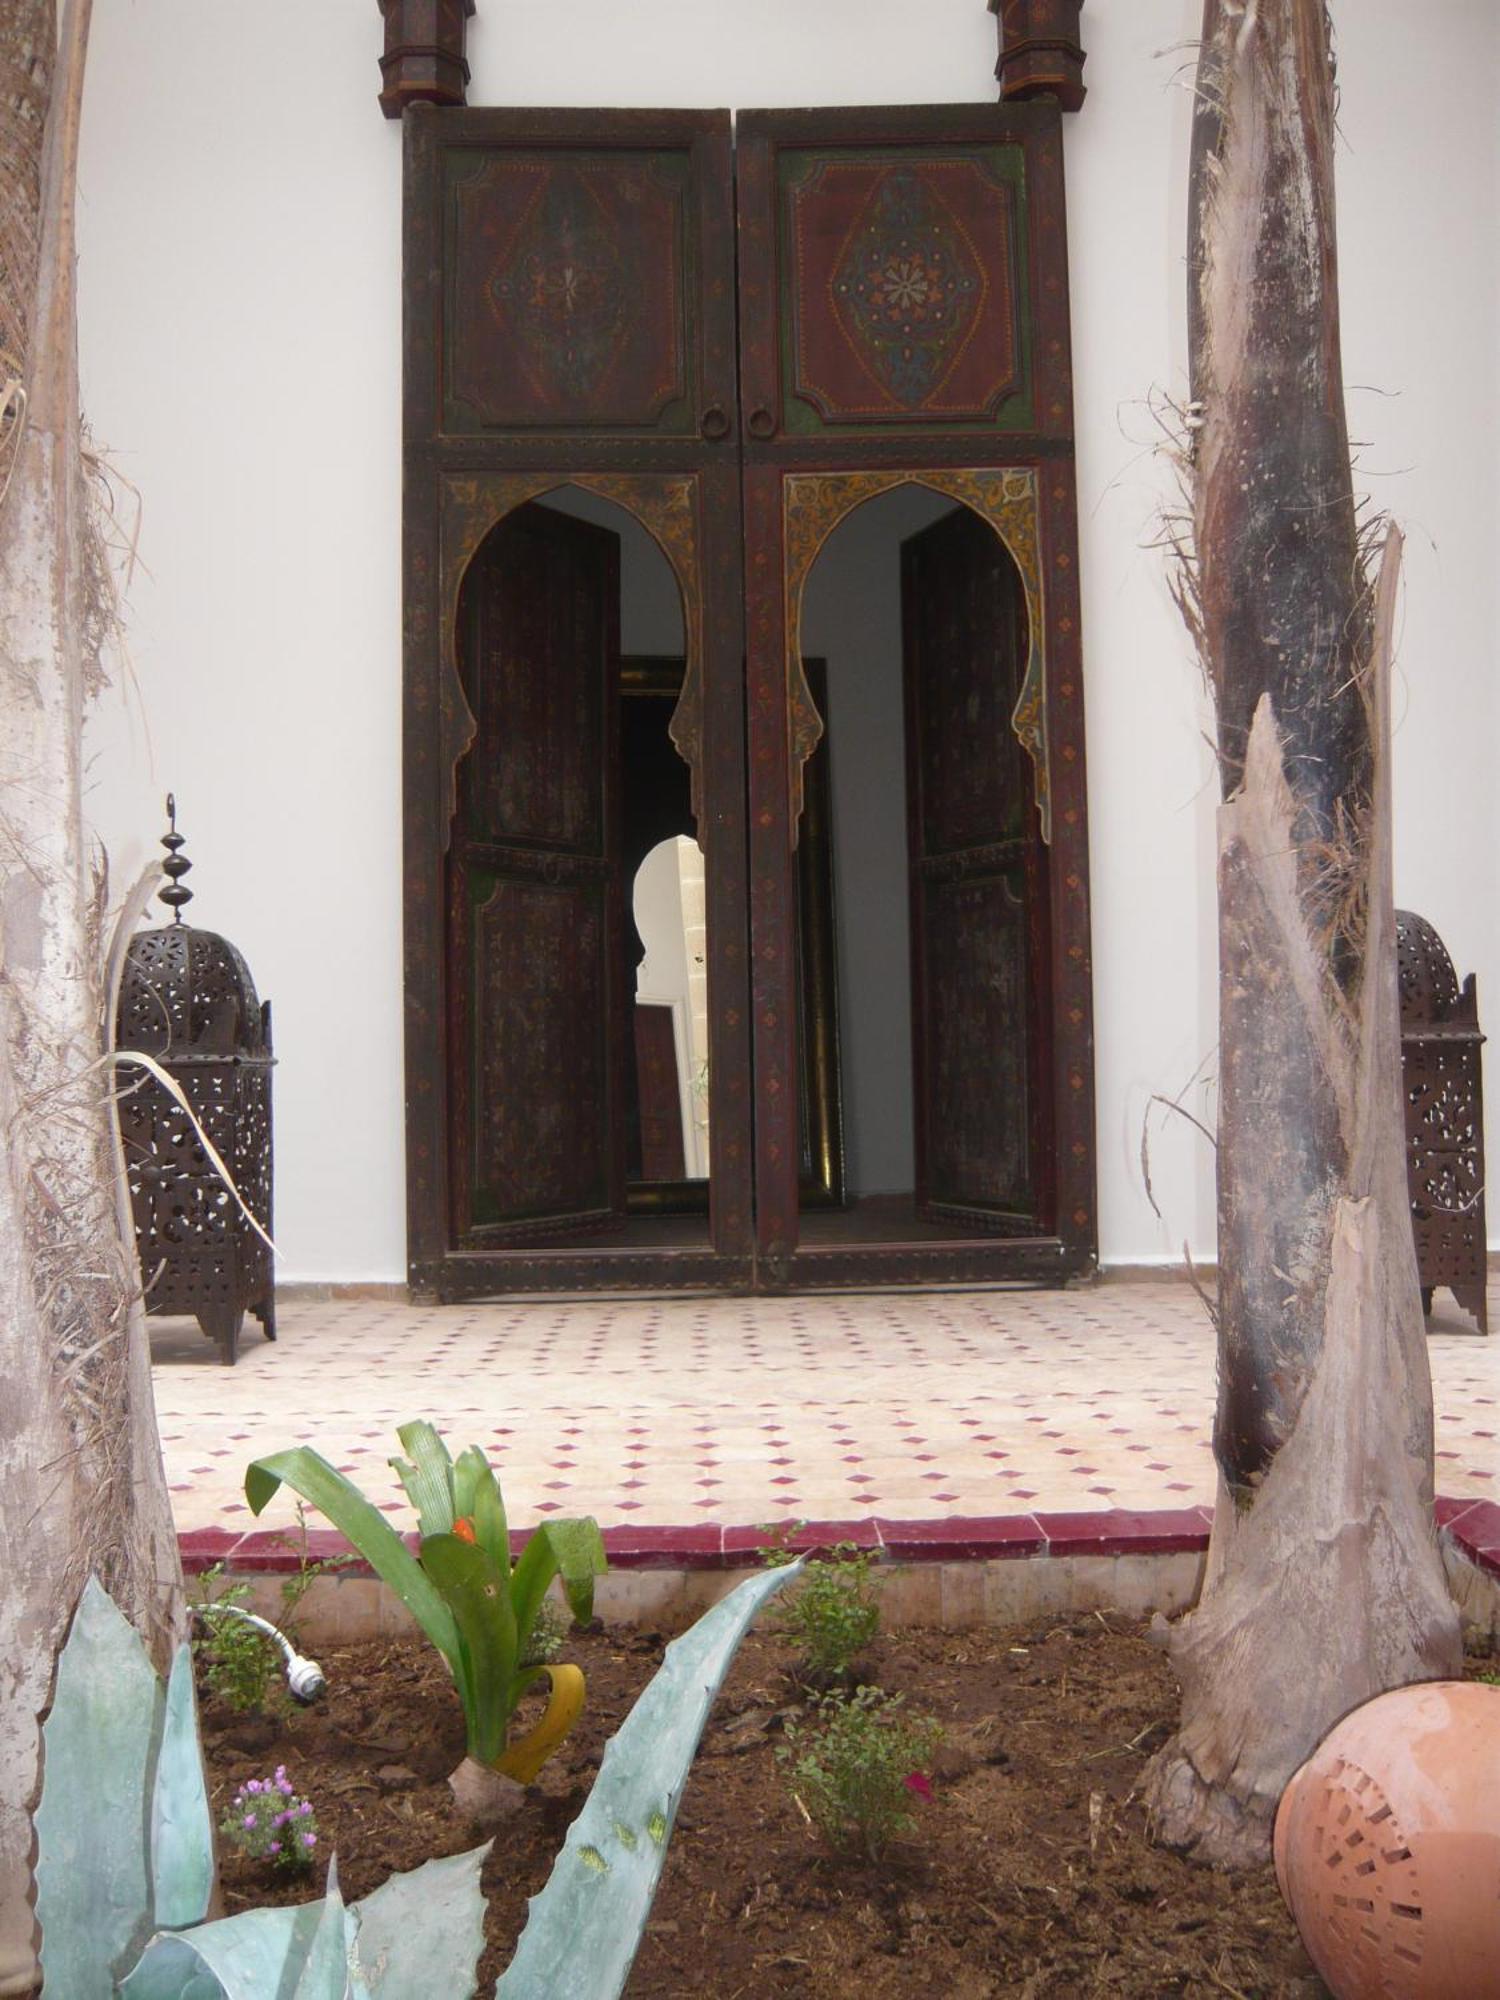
(1325, 1584)
(81, 1481)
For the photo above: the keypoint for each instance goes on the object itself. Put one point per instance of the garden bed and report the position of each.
(1031, 1875)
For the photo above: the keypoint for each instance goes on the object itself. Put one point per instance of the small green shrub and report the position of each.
(237, 1664)
(856, 1767)
(834, 1613)
(298, 1582)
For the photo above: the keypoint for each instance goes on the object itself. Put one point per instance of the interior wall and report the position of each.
(851, 618)
(240, 327)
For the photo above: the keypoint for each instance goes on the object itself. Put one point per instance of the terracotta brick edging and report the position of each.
(1471, 1526)
(952, 1572)
(704, 1546)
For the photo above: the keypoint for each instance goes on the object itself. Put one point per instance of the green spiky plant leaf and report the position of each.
(123, 1789)
(182, 1847)
(583, 1930)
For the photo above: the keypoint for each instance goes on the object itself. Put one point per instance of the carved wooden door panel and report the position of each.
(569, 319)
(904, 316)
(725, 340)
(980, 1019)
(536, 1006)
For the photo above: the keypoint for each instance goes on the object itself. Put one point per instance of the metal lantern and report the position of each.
(1440, 1044)
(188, 1001)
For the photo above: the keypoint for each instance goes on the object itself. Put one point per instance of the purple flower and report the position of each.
(274, 1848)
(309, 1840)
(918, 1782)
(249, 1819)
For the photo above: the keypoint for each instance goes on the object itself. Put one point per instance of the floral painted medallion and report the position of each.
(908, 288)
(562, 287)
(905, 300)
(567, 303)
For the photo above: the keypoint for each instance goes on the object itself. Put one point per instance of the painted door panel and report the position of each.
(980, 1022)
(534, 904)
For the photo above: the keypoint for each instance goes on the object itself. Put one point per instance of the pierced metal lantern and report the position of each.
(187, 999)
(1440, 1044)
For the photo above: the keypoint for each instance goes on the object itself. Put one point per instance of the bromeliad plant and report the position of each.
(479, 1610)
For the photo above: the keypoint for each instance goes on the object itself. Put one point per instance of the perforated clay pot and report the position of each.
(1387, 1847)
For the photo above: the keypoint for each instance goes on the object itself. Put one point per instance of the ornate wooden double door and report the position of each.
(736, 336)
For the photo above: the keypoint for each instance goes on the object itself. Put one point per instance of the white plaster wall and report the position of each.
(240, 320)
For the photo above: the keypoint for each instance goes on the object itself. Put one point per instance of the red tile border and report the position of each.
(742, 1546)
(960, 1538)
(697, 1545)
(1125, 1531)
(201, 1548)
(1473, 1527)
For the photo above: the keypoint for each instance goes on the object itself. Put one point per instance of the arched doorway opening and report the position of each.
(920, 612)
(563, 1077)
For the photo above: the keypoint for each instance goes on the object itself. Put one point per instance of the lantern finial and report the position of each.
(175, 866)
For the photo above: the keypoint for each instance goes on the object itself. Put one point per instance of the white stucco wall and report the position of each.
(240, 318)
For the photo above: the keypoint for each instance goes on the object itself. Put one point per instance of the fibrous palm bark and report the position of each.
(81, 1483)
(1325, 1583)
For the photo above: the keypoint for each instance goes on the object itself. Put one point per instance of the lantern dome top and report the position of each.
(1429, 989)
(186, 991)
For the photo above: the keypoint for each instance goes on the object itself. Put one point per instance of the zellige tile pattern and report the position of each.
(704, 1415)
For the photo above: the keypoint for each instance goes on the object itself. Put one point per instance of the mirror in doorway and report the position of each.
(671, 1012)
(668, 1128)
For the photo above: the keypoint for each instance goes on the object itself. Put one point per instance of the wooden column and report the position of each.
(1041, 54)
(424, 53)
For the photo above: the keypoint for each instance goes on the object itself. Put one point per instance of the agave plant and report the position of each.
(478, 1609)
(125, 1842)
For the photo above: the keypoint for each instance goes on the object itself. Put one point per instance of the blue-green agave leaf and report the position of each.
(182, 1840)
(307, 1472)
(302, 1951)
(584, 1928)
(419, 1935)
(93, 1888)
(423, 1932)
(428, 1479)
(325, 1974)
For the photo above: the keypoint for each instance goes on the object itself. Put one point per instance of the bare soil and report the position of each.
(1031, 1876)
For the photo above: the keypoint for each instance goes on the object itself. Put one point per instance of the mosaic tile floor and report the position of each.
(705, 1414)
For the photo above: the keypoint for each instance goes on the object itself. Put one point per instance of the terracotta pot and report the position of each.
(1388, 1847)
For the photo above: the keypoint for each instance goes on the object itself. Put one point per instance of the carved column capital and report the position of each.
(1041, 54)
(424, 53)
